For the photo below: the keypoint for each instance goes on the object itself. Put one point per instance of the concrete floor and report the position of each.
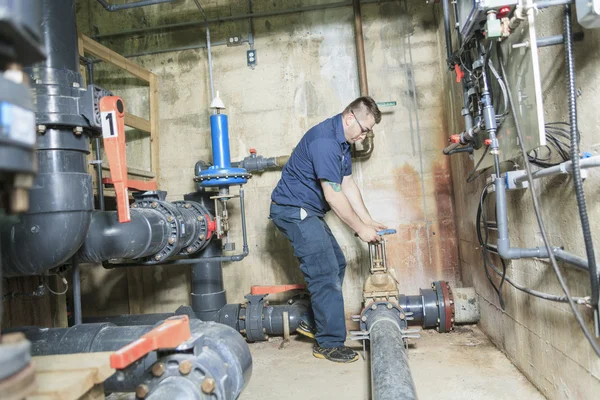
(460, 365)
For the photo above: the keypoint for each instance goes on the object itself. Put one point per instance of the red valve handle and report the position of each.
(112, 114)
(459, 73)
(168, 335)
(454, 139)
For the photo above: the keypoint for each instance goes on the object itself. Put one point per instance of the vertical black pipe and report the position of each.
(76, 292)
(577, 181)
(61, 199)
(208, 292)
(448, 35)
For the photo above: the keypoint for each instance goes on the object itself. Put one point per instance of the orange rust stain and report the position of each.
(408, 187)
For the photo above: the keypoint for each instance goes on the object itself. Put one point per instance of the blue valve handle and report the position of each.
(383, 232)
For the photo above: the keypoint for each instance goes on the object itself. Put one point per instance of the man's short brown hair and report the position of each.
(365, 105)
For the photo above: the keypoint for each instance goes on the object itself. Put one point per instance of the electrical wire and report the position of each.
(536, 209)
(64, 282)
(471, 177)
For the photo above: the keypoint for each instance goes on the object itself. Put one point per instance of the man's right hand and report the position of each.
(368, 234)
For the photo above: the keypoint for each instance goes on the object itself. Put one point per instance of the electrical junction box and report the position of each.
(588, 13)
(472, 14)
(251, 58)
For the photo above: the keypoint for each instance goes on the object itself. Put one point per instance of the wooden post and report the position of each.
(154, 127)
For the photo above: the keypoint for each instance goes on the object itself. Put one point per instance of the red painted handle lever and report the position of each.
(168, 335)
(112, 113)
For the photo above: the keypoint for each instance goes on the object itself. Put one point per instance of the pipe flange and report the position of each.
(174, 221)
(445, 306)
(388, 308)
(182, 376)
(202, 217)
(251, 318)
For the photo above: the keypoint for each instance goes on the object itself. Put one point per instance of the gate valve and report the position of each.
(168, 335)
(112, 114)
(253, 152)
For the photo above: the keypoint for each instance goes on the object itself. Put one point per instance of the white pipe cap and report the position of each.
(217, 103)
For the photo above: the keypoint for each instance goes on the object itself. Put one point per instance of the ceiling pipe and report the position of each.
(118, 7)
(218, 20)
(368, 143)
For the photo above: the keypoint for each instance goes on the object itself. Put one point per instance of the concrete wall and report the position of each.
(541, 338)
(306, 73)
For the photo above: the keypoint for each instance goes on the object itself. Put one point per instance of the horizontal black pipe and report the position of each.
(220, 351)
(557, 39)
(107, 238)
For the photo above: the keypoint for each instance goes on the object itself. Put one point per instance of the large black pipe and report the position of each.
(107, 238)
(50, 233)
(208, 292)
(390, 373)
(61, 196)
(216, 350)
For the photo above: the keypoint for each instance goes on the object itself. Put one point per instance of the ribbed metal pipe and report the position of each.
(390, 373)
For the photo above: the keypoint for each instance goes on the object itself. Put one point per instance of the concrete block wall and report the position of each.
(541, 338)
(306, 73)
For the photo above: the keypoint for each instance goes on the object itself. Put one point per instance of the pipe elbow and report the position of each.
(39, 242)
(368, 147)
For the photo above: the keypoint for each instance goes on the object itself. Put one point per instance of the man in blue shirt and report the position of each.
(317, 178)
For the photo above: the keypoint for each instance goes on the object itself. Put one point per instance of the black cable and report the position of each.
(471, 177)
(484, 249)
(576, 170)
(536, 208)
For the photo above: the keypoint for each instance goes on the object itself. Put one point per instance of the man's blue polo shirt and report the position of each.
(322, 153)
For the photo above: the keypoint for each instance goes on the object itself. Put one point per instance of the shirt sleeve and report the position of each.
(327, 160)
(347, 164)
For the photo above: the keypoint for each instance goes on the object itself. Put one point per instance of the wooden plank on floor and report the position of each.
(71, 376)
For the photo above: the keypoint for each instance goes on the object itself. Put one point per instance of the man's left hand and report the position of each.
(378, 226)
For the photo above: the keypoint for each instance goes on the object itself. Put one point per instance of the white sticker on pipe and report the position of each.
(109, 124)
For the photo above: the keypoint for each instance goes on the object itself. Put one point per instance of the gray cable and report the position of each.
(502, 86)
(536, 209)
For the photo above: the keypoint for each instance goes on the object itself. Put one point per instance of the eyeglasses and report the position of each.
(362, 130)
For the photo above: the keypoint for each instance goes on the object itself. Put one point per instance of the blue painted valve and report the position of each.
(221, 173)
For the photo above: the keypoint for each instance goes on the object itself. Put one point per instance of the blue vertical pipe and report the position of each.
(219, 132)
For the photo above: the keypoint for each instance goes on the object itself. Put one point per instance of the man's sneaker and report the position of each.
(306, 330)
(336, 354)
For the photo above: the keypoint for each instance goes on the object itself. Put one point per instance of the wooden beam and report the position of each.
(133, 172)
(104, 53)
(136, 122)
(154, 127)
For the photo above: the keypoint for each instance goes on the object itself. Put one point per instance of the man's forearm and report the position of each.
(356, 201)
(342, 207)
